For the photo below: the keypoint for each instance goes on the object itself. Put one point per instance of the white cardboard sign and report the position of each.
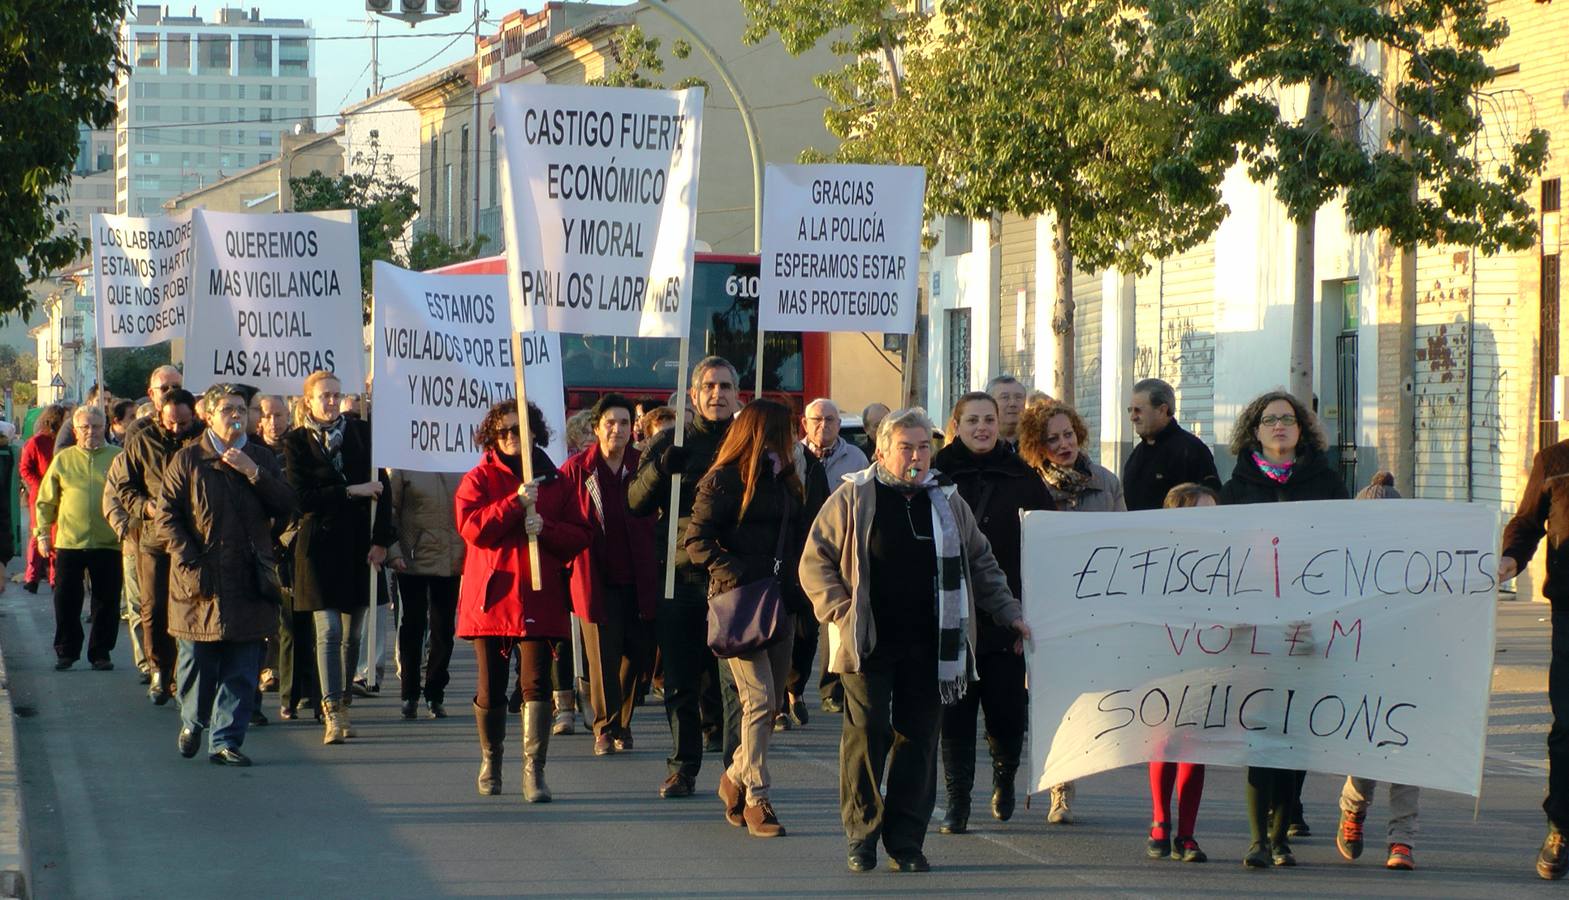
(442, 357)
(841, 247)
(141, 278)
(277, 297)
(1330, 636)
(599, 207)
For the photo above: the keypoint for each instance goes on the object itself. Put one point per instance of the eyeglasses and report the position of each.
(1272, 421)
(818, 419)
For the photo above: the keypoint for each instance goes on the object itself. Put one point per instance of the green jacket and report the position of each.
(71, 499)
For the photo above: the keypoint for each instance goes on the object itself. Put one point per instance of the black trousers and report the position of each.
(892, 713)
(828, 686)
(1557, 803)
(1000, 692)
(430, 602)
(70, 591)
(297, 678)
(495, 656)
(682, 629)
(803, 653)
(616, 652)
(152, 574)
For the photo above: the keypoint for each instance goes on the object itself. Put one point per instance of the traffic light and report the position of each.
(378, 6)
(413, 7)
(448, 7)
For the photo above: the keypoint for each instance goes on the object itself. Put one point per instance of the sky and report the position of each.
(343, 66)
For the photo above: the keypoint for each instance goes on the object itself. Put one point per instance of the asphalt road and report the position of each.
(113, 811)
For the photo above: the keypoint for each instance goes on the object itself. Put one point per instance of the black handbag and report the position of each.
(749, 617)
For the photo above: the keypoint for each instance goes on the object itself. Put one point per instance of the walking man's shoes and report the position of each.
(1553, 860)
(228, 756)
(909, 862)
(677, 785)
(863, 856)
(188, 742)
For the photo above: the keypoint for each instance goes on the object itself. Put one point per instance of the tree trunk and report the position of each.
(1062, 313)
(1304, 286)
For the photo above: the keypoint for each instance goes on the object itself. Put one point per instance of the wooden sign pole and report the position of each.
(525, 450)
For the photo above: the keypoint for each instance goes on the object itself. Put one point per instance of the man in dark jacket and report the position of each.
(1167, 454)
(1544, 512)
(215, 510)
(681, 622)
(148, 450)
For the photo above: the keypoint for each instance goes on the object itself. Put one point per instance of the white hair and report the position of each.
(913, 417)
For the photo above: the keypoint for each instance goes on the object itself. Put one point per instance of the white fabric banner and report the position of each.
(841, 247)
(599, 207)
(142, 278)
(277, 297)
(1337, 636)
(442, 357)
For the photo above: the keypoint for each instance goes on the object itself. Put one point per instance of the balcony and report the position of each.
(490, 227)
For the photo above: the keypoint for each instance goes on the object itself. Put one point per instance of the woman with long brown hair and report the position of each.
(746, 525)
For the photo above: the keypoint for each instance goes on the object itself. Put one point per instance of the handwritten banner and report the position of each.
(599, 207)
(1332, 636)
(277, 297)
(442, 357)
(142, 278)
(841, 247)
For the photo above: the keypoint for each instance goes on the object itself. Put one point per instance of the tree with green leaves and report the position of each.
(384, 205)
(126, 368)
(1309, 80)
(19, 371)
(432, 251)
(58, 61)
(637, 57)
(1101, 113)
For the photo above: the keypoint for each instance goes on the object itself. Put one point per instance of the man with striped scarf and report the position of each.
(896, 570)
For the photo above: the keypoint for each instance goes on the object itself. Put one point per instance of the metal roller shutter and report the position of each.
(1016, 323)
(1441, 374)
(1187, 336)
(1086, 351)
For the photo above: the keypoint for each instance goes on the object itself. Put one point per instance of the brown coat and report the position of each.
(217, 525)
(426, 521)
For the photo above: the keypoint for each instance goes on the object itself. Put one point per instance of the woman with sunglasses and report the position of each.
(1280, 459)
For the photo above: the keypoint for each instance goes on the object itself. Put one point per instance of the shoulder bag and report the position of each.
(748, 617)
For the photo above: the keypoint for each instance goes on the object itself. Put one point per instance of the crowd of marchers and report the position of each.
(250, 545)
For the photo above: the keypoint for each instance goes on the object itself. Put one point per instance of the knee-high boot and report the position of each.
(492, 727)
(536, 742)
(1005, 765)
(958, 767)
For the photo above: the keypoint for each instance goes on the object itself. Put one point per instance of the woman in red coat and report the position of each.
(37, 453)
(497, 607)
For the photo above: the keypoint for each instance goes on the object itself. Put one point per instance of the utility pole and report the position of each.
(474, 128)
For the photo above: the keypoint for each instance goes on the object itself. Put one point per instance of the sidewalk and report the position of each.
(15, 873)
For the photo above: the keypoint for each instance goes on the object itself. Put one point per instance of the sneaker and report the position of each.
(1257, 858)
(1158, 847)
(798, 711)
(437, 709)
(1400, 858)
(1349, 838)
(359, 688)
(782, 722)
(761, 821)
(1281, 856)
(1553, 859)
(1061, 812)
(1187, 850)
(831, 705)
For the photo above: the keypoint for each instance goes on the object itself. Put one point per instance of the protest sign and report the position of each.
(599, 207)
(841, 247)
(142, 278)
(442, 356)
(276, 298)
(1330, 636)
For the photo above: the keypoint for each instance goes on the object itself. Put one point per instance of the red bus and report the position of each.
(724, 323)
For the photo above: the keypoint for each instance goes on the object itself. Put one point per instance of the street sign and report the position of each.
(57, 381)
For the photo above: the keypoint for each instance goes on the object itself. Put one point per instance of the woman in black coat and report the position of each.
(997, 485)
(747, 524)
(1281, 458)
(329, 466)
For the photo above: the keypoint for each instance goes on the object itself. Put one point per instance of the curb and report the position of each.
(15, 866)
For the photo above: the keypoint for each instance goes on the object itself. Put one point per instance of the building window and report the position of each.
(214, 59)
(178, 47)
(255, 54)
(955, 236)
(147, 50)
(293, 57)
(446, 215)
(264, 139)
(463, 179)
(958, 352)
(266, 91)
(495, 171)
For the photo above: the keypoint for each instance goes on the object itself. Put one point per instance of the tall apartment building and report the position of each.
(204, 99)
(91, 188)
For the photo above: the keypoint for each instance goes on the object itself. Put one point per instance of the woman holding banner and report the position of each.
(746, 526)
(1280, 458)
(336, 542)
(498, 609)
(999, 486)
(1051, 439)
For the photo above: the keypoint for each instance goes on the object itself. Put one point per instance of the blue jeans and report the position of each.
(337, 649)
(217, 684)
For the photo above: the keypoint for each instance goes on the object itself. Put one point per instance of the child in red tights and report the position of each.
(1186, 778)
